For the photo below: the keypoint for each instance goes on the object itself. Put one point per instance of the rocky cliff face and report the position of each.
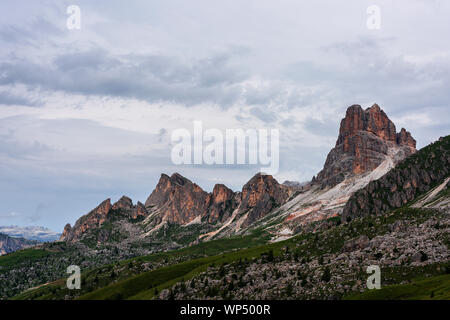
(125, 207)
(260, 195)
(410, 178)
(178, 200)
(92, 220)
(365, 138)
(220, 204)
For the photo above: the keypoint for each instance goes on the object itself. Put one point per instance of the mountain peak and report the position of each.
(183, 200)
(179, 179)
(260, 195)
(123, 203)
(103, 212)
(373, 120)
(375, 108)
(366, 138)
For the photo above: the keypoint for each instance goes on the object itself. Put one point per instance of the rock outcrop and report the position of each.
(260, 195)
(123, 208)
(178, 200)
(92, 220)
(404, 138)
(365, 138)
(221, 203)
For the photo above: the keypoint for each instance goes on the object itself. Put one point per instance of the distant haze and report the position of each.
(30, 233)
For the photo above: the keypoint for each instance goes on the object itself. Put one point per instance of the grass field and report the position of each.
(27, 255)
(434, 288)
(143, 286)
(198, 256)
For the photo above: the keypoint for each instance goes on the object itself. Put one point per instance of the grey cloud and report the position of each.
(365, 72)
(152, 78)
(34, 33)
(288, 122)
(263, 115)
(9, 99)
(12, 149)
(321, 128)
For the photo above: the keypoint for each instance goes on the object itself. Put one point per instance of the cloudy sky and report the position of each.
(87, 114)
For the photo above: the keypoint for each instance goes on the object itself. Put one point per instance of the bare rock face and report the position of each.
(220, 204)
(124, 203)
(260, 195)
(178, 199)
(139, 211)
(90, 221)
(365, 138)
(65, 234)
(404, 138)
(125, 207)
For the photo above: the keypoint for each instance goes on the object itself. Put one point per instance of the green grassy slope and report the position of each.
(433, 288)
(102, 276)
(307, 245)
(10, 260)
(410, 179)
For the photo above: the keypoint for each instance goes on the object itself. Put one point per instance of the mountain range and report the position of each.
(367, 147)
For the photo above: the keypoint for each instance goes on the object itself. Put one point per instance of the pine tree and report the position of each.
(326, 276)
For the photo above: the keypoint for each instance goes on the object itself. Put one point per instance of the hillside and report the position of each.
(433, 288)
(411, 178)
